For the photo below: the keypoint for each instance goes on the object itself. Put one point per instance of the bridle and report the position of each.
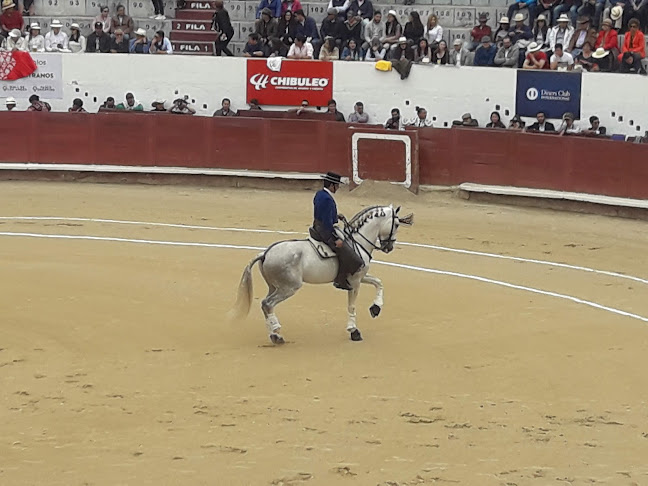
(384, 244)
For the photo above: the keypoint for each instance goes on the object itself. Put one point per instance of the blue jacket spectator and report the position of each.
(274, 5)
(139, 45)
(306, 26)
(485, 53)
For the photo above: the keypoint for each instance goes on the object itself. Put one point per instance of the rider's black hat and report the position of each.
(333, 178)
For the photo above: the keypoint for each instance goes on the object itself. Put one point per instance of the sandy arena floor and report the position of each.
(117, 366)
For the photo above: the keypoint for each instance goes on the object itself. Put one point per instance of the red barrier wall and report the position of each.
(447, 157)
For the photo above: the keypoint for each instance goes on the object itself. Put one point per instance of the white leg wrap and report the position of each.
(272, 323)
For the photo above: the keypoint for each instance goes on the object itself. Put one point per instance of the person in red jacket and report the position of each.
(607, 37)
(10, 18)
(634, 42)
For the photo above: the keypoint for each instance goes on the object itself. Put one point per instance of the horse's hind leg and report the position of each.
(275, 297)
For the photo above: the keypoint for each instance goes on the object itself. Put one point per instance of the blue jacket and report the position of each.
(485, 57)
(325, 212)
(274, 5)
(309, 29)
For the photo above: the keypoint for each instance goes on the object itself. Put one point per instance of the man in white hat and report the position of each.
(520, 33)
(56, 40)
(139, 45)
(530, 5)
(11, 103)
(603, 61)
(535, 58)
(35, 40)
(10, 18)
(14, 42)
(561, 33)
(402, 51)
(501, 32)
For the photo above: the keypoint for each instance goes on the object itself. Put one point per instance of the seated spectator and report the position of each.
(351, 29)
(485, 53)
(352, 52)
(35, 104)
(546, 7)
(341, 7)
(300, 49)
(433, 31)
(308, 28)
(460, 56)
(634, 43)
(413, 30)
(393, 30)
(287, 29)
(332, 26)
(592, 9)
(394, 123)
(468, 121)
(541, 125)
(304, 108)
(77, 106)
(139, 45)
(530, 5)
(119, 44)
(501, 32)
(35, 41)
(160, 44)
(56, 40)
(375, 51)
(273, 5)
(358, 115)
(607, 38)
(104, 19)
(374, 30)
(130, 104)
(421, 118)
(561, 33)
(254, 47)
(77, 42)
(225, 108)
(595, 129)
(441, 55)
(123, 22)
(423, 51)
(332, 109)
(14, 41)
(568, 126)
(159, 106)
(10, 103)
(603, 61)
(158, 7)
(108, 105)
(585, 60)
(402, 51)
(292, 5)
(480, 31)
(520, 33)
(181, 107)
(535, 58)
(630, 63)
(329, 51)
(565, 6)
(495, 120)
(363, 9)
(98, 41)
(540, 32)
(508, 55)
(561, 60)
(266, 26)
(10, 18)
(254, 105)
(584, 33)
(516, 123)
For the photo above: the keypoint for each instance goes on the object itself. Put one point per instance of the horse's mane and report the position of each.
(363, 216)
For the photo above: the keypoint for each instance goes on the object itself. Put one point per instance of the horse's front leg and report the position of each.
(351, 309)
(375, 309)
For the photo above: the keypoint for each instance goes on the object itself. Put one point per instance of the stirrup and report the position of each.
(343, 285)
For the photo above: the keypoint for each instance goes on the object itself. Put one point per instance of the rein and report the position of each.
(349, 230)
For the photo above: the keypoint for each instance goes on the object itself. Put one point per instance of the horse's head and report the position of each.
(389, 227)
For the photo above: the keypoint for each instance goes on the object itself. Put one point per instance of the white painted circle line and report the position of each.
(397, 265)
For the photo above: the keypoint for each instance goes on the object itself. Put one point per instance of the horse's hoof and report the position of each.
(276, 339)
(374, 310)
(356, 336)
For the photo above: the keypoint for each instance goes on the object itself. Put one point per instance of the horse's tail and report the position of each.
(245, 293)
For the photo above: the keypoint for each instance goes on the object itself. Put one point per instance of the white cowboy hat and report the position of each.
(615, 13)
(518, 17)
(15, 33)
(563, 18)
(534, 47)
(56, 24)
(393, 12)
(7, 4)
(504, 20)
(541, 17)
(402, 40)
(11, 101)
(75, 26)
(34, 26)
(600, 53)
(140, 32)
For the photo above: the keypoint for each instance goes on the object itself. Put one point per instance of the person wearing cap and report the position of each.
(332, 26)
(56, 40)
(358, 115)
(501, 32)
(266, 26)
(433, 31)
(479, 31)
(159, 106)
(98, 41)
(273, 5)
(468, 121)
(14, 42)
(77, 106)
(520, 33)
(634, 43)
(508, 55)
(607, 37)
(374, 30)
(123, 22)
(35, 40)
(325, 217)
(10, 18)
(160, 44)
(568, 127)
(300, 49)
(535, 57)
(603, 61)
(77, 42)
(393, 30)
(181, 107)
(10, 104)
(35, 104)
(485, 53)
(530, 5)
(402, 51)
(222, 26)
(560, 33)
(139, 45)
(119, 44)
(540, 32)
(561, 60)
(584, 33)
(105, 18)
(459, 55)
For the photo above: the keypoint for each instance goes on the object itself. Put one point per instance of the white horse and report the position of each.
(287, 265)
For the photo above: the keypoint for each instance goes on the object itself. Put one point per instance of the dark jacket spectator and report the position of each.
(485, 53)
(401, 51)
(123, 22)
(287, 28)
(351, 29)
(306, 25)
(98, 41)
(364, 10)
(273, 5)
(414, 28)
(221, 23)
(331, 25)
(266, 26)
(119, 44)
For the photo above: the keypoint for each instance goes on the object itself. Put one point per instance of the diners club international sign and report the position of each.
(293, 82)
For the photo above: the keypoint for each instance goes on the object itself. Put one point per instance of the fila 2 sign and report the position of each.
(295, 81)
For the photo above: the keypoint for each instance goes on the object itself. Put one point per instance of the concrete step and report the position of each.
(193, 47)
(192, 37)
(194, 14)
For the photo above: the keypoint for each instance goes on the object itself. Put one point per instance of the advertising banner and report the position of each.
(287, 83)
(553, 92)
(46, 81)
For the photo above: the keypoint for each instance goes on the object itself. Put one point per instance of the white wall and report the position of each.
(446, 92)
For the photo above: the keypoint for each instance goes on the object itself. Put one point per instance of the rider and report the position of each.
(325, 217)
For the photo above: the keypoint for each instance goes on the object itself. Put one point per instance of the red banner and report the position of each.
(16, 65)
(294, 82)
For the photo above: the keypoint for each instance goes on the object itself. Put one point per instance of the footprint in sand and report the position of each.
(298, 478)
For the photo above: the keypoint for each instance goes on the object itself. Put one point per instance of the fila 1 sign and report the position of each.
(294, 82)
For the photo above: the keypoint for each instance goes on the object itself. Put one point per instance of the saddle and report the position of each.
(322, 249)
